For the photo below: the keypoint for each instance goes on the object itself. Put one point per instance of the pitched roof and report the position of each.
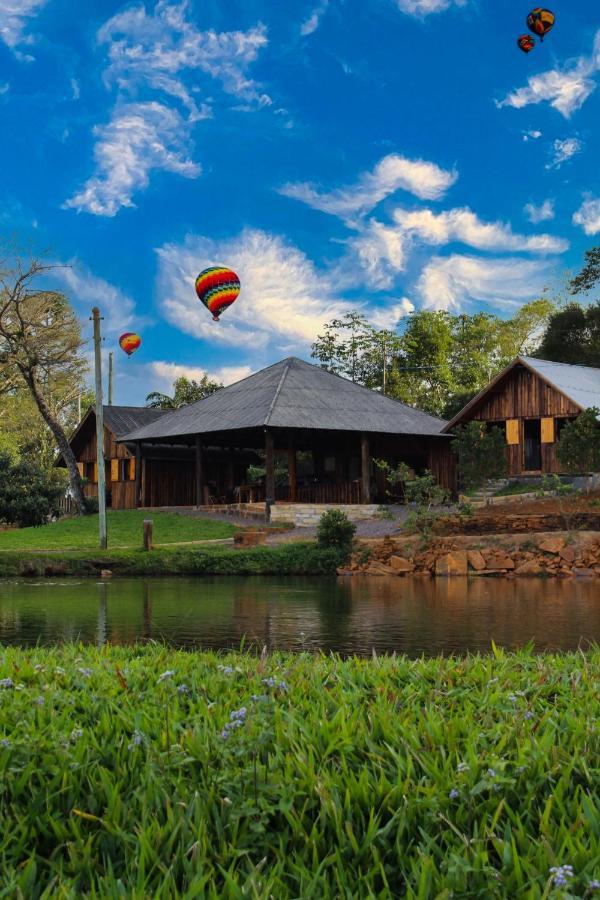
(123, 419)
(580, 384)
(292, 394)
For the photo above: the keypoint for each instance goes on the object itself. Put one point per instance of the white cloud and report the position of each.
(283, 295)
(140, 138)
(168, 372)
(381, 252)
(14, 18)
(426, 7)
(424, 179)
(563, 151)
(565, 90)
(157, 49)
(311, 24)
(86, 290)
(449, 283)
(531, 135)
(542, 213)
(464, 226)
(389, 316)
(588, 216)
(4, 88)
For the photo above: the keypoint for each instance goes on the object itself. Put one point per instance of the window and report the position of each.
(123, 470)
(88, 471)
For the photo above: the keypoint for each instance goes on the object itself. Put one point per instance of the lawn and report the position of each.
(147, 772)
(124, 530)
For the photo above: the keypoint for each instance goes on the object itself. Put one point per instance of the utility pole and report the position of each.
(99, 430)
(384, 363)
(110, 377)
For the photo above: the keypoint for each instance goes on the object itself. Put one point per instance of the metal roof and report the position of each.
(581, 384)
(292, 394)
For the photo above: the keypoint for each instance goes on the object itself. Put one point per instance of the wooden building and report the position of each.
(531, 401)
(321, 430)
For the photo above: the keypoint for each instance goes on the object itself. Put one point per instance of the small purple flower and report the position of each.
(238, 715)
(39, 701)
(5, 743)
(529, 714)
(168, 674)
(462, 767)
(87, 673)
(512, 698)
(136, 740)
(76, 734)
(453, 794)
(183, 689)
(491, 773)
(6, 683)
(269, 682)
(226, 670)
(258, 697)
(561, 875)
(594, 885)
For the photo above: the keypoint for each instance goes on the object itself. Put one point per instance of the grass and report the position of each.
(146, 772)
(124, 530)
(297, 558)
(514, 488)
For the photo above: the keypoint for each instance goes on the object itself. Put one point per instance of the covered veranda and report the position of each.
(314, 434)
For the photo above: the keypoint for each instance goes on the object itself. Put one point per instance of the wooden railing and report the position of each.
(345, 492)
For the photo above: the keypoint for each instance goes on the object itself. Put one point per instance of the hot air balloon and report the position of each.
(540, 21)
(129, 342)
(526, 43)
(217, 287)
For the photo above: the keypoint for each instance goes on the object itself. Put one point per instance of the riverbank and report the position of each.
(195, 774)
(287, 559)
(565, 554)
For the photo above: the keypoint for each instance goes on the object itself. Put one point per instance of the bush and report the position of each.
(91, 505)
(335, 531)
(481, 454)
(28, 493)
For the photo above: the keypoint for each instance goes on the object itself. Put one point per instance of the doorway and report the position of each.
(532, 434)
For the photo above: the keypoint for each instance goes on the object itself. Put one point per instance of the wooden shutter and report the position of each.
(132, 469)
(114, 470)
(548, 431)
(80, 469)
(512, 431)
(95, 479)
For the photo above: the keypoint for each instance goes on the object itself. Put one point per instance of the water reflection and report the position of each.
(355, 615)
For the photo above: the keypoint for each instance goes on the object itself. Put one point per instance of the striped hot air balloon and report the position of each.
(217, 287)
(129, 342)
(540, 21)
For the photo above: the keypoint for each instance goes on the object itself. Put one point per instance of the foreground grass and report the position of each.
(124, 529)
(298, 558)
(146, 772)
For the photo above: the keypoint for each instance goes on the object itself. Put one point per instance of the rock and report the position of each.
(502, 563)
(400, 565)
(531, 567)
(476, 560)
(552, 545)
(583, 573)
(568, 554)
(377, 568)
(105, 573)
(452, 564)
(344, 572)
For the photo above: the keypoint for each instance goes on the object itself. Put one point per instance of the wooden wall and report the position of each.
(122, 492)
(523, 395)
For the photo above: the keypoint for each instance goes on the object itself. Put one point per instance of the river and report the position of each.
(345, 615)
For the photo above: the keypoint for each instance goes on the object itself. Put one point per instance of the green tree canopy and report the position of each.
(481, 454)
(578, 449)
(185, 391)
(28, 493)
(573, 335)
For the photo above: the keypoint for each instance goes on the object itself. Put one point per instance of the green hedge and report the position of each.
(286, 559)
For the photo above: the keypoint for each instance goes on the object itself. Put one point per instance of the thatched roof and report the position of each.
(292, 394)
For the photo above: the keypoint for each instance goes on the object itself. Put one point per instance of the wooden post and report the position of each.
(100, 431)
(365, 468)
(200, 499)
(138, 475)
(111, 357)
(147, 534)
(292, 474)
(270, 467)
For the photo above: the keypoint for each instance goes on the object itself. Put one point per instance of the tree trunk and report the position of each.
(62, 442)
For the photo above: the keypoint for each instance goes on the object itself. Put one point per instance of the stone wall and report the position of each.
(306, 514)
(554, 554)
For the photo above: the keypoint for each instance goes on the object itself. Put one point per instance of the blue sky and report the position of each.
(378, 155)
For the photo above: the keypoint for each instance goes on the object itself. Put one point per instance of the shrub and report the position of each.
(481, 454)
(28, 493)
(335, 531)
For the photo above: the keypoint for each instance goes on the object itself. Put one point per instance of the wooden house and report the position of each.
(531, 401)
(289, 409)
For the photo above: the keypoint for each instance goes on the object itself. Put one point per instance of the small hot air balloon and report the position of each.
(540, 21)
(129, 342)
(217, 287)
(526, 43)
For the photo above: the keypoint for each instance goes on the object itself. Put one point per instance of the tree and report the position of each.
(28, 494)
(573, 336)
(589, 276)
(481, 454)
(40, 340)
(185, 391)
(578, 449)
